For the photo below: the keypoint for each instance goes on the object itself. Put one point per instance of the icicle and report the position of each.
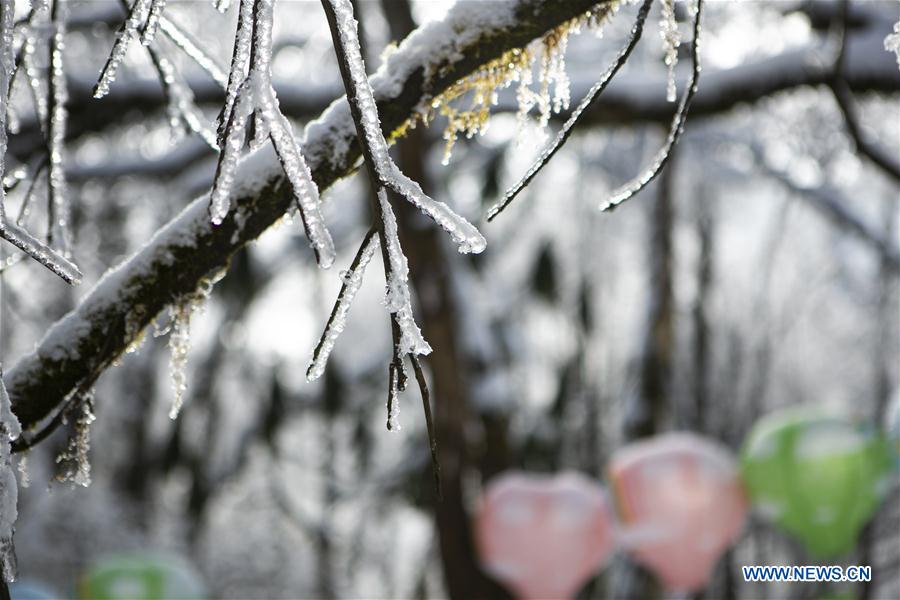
(76, 456)
(397, 297)
(461, 231)
(668, 31)
(58, 234)
(179, 344)
(892, 42)
(677, 127)
(126, 33)
(152, 23)
(393, 401)
(352, 279)
(24, 473)
(179, 330)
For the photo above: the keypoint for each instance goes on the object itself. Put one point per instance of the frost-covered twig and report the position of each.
(254, 98)
(352, 280)
(58, 203)
(193, 50)
(9, 230)
(634, 186)
(566, 131)
(127, 31)
(407, 336)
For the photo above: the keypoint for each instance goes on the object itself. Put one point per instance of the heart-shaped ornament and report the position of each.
(544, 536)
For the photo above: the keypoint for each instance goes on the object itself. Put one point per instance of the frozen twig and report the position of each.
(566, 131)
(352, 280)
(58, 203)
(10, 231)
(251, 99)
(634, 186)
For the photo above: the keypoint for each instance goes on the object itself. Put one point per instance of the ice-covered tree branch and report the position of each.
(187, 250)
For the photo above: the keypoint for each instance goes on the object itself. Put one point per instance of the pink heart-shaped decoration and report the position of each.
(543, 536)
(681, 505)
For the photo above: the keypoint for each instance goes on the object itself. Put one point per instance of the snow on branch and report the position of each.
(80, 346)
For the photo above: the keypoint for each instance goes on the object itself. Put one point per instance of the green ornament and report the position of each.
(140, 578)
(819, 477)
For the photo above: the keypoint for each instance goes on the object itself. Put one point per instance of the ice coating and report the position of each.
(397, 298)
